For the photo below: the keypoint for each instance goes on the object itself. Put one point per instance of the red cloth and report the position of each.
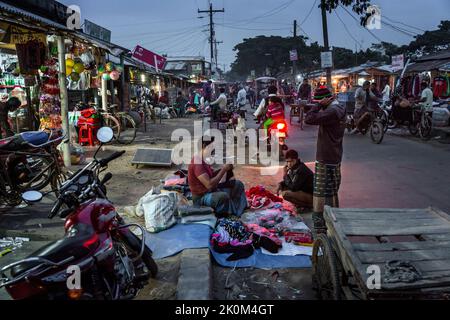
(260, 197)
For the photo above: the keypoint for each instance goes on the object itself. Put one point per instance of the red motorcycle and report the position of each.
(99, 253)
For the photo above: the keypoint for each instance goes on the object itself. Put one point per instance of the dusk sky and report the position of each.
(172, 26)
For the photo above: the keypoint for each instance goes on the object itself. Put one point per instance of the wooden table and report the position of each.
(360, 242)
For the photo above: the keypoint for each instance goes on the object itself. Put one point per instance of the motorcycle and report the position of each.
(373, 121)
(99, 249)
(30, 161)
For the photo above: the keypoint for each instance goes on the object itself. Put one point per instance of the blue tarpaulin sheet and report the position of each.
(178, 238)
(264, 261)
(195, 236)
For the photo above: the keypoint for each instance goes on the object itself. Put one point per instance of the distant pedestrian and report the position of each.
(304, 92)
(9, 106)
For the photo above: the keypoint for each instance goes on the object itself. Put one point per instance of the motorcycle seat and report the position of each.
(72, 245)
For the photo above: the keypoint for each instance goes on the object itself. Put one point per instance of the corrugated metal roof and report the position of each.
(427, 65)
(11, 9)
(441, 55)
(111, 47)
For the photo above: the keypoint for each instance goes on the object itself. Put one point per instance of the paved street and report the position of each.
(400, 173)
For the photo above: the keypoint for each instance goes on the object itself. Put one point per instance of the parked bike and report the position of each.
(113, 263)
(30, 161)
(419, 121)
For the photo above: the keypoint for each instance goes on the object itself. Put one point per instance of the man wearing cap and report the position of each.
(329, 115)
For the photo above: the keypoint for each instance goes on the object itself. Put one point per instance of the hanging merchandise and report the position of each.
(31, 56)
(440, 87)
(115, 75)
(50, 104)
(78, 67)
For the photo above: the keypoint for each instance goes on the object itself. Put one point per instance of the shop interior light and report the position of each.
(143, 77)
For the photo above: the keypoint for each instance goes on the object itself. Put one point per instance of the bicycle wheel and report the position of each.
(384, 118)
(33, 173)
(127, 129)
(425, 128)
(326, 278)
(113, 123)
(377, 132)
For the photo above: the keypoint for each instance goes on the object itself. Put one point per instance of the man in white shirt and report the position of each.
(426, 99)
(220, 103)
(241, 98)
(386, 93)
(262, 109)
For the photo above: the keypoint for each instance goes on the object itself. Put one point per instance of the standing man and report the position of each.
(9, 106)
(207, 91)
(219, 104)
(241, 97)
(386, 93)
(329, 115)
(426, 99)
(304, 92)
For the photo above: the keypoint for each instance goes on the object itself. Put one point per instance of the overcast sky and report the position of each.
(172, 26)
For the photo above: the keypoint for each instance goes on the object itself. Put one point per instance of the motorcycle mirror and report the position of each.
(105, 134)
(32, 196)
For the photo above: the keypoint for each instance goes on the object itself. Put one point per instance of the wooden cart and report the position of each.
(383, 254)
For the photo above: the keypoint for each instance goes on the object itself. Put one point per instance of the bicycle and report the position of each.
(422, 123)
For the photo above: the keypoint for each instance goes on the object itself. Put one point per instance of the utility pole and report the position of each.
(325, 38)
(211, 12)
(294, 63)
(215, 51)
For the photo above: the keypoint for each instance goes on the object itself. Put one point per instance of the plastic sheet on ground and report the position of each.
(178, 238)
(260, 260)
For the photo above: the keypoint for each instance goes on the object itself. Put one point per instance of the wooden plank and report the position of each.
(437, 237)
(400, 246)
(368, 215)
(393, 231)
(376, 257)
(440, 213)
(344, 251)
(391, 223)
(430, 279)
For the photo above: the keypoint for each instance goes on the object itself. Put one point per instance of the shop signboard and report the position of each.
(97, 31)
(398, 62)
(16, 35)
(156, 61)
(327, 59)
(293, 55)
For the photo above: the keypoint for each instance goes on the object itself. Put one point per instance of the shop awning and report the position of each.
(427, 65)
(34, 17)
(114, 49)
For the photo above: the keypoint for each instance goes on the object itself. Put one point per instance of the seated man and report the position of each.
(298, 183)
(227, 198)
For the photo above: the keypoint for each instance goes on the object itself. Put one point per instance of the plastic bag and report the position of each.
(159, 212)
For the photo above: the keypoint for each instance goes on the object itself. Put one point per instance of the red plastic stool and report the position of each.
(87, 134)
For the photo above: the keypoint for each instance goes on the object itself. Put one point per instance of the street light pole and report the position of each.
(325, 38)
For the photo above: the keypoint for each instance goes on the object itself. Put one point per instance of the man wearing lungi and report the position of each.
(329, 115)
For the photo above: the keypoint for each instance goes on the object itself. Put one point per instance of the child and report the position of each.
(275, 111)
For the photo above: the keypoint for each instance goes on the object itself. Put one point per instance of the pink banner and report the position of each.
(150, 58)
